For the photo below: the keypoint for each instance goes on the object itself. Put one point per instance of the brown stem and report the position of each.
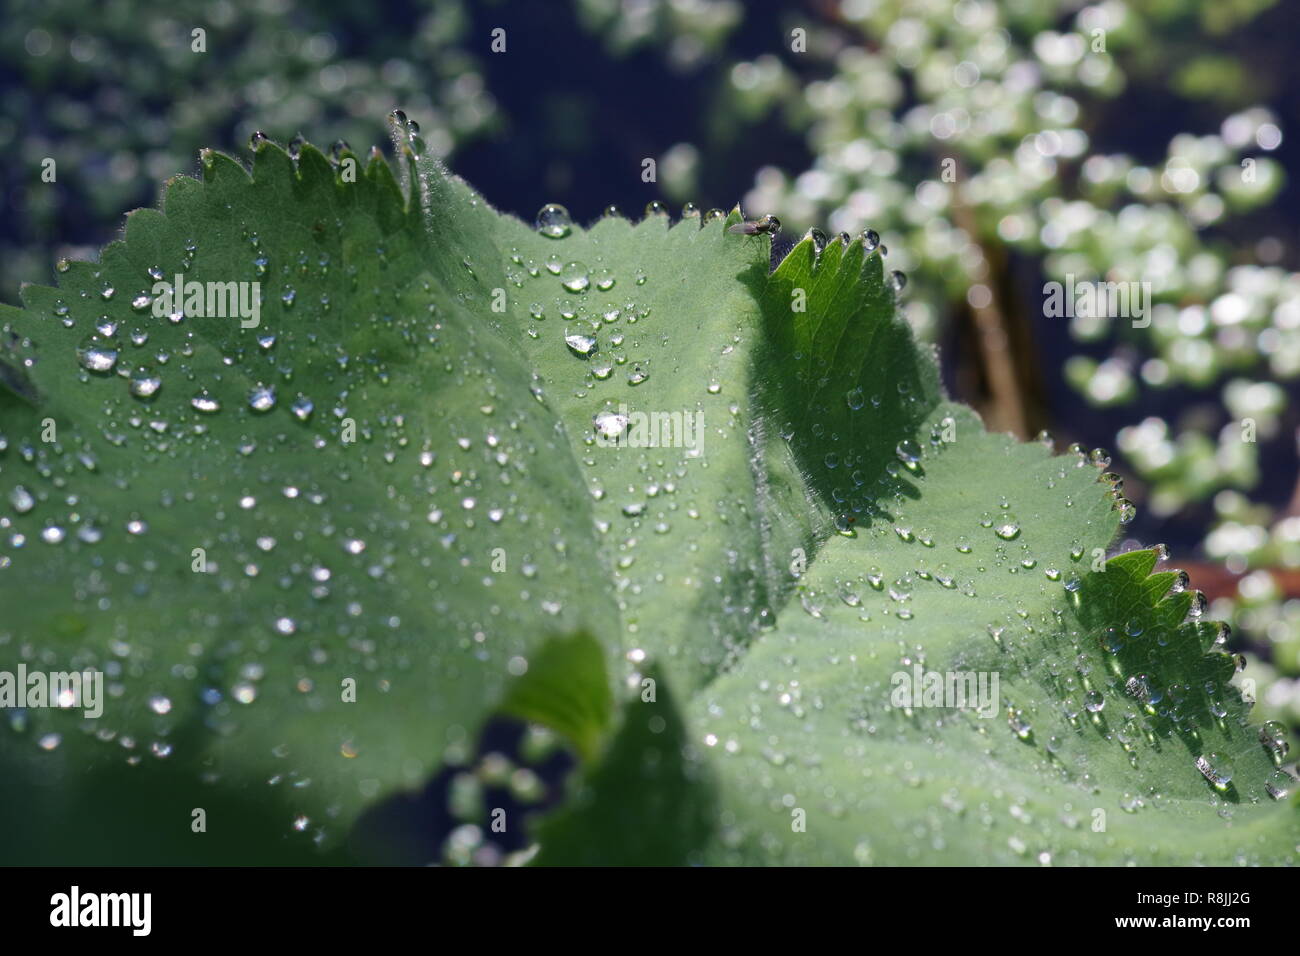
(1006, 409)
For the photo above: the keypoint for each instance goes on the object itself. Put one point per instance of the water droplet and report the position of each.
(1279, 784)
(96, 355)
(553, 221)
(909, 453)
(1008, 528)
(261, 398)
(1273, 735)
(580, 343)
(22, 500)
(203, 402)
(574, 277)
(144, 385)
(610, 424)
(1216, 769)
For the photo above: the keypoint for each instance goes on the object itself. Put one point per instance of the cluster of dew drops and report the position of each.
(597, 335)
(601, 334)
(1006, 527)
(1003, 523)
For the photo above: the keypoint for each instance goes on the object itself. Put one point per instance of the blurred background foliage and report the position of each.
(994, 144)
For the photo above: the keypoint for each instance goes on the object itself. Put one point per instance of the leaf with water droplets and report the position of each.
(742, 496)
(329, 603)
(965, 705)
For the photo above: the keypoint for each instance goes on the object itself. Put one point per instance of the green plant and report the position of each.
(986, 138)
(718, 624)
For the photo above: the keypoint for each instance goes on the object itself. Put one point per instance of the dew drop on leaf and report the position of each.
(909, 453)
(553, 221)
(574, 277)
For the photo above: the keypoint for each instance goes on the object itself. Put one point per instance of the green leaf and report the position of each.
(819, 520)
(326, 561)
(966, 552)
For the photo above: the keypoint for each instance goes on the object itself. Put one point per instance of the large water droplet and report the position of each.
(144, 385)
(203, 402)
(22, 500)
(610, 424)
(261, 398)
(580, 343)
(553, 221)
(1279, 784)
(909, 453)
(97, 355)
(574, 277)
(1216, 769)
(1008, 528)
